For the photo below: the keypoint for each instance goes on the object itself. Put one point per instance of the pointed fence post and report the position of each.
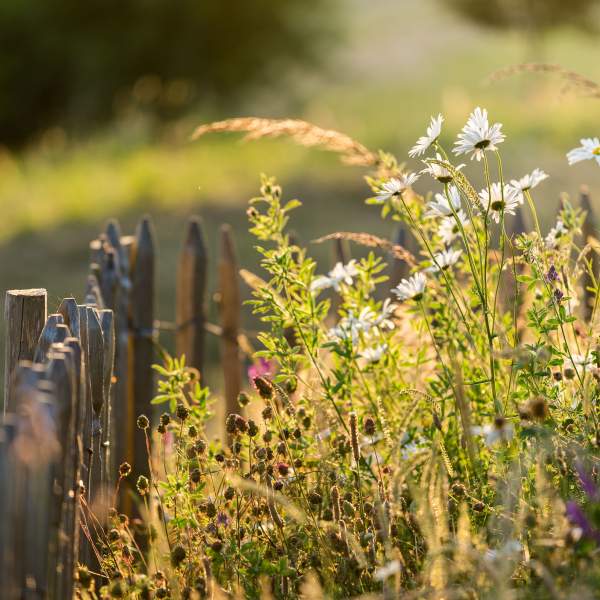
(589, 230)
(191, 296)
(230, 320)
(142, 323)
(25, 315)
(108, 363)
(54, 332)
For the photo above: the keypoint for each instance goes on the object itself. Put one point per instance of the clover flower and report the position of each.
(395, 186)
(411, 288)
(426, 141)
(498, 199)
(589, 150)
(442, 204)
(339, 274)
(477, 135)
(449, 227)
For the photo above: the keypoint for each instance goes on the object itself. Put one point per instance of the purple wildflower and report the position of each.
(552, 274)
(558, 295)
(587, 483)
(262, 368)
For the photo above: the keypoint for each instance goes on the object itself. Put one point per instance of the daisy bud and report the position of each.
(143, 422)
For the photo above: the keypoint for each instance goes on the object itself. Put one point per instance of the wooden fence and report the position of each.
(76, 380)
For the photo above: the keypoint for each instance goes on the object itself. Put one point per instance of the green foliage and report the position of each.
(65, 61)
(436, 440)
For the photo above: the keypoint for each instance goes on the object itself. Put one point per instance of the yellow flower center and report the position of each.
(596, 151)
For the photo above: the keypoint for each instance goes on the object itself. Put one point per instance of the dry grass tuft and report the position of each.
(302, 132)
(573, 79)
(371, 241)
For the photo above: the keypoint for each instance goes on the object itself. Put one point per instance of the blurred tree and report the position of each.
(68, 61)
(533, 17)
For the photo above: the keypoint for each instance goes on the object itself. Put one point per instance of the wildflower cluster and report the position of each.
(434, 436)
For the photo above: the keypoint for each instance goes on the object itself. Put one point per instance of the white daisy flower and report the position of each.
(498, 431)
(554, 235)
(440, 172)
(529, 181)
(441, 206)
(477, 136)
(389, 569)
(411, 288)
(589, 150)
(350, 327)
(339, 274)
(583, 362)
(498, 201)
(395, 186)
(444, 260)
(373, 355)
(426, 141)
(384, 319)
(449, 228)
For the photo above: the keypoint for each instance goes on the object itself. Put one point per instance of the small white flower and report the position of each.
(387, 570)
(527, 182)
(440, 172)
(426, 141)
(441, 205)
(555, 234)
(411, 288)
(499, 431)
(589, 150)
(395, 186)
(449, 228)
(444, 260)
(373, 355)
(498, 201)
(509, 550)
(350, 327)
(339, 274)
(584, 362)
(477, 136)
(384, 319)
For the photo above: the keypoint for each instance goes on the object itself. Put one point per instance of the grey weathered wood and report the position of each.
(120, 406)
(399, 268)
(230, 319)
(142, 322)
(191, 296)
(25, 315)
(108, 363)
(589, 230)
(70, 314)
(93, 295)
(55, 331)
(95, 374)
(61, 374)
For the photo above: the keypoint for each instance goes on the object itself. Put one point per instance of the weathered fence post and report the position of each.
(108, 363)
(142, 323)
(230, 320)
(191, 293)
(54, 332)
(589, 230)
(25, 315)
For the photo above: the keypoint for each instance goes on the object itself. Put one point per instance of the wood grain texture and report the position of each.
(24, 315)
(230, 305)
(191, 296)
(55, 331)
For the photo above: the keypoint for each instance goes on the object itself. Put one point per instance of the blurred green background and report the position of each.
(98, 100)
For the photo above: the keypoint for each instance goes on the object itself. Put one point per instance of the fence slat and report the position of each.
(70, 314)
(55, 332)
(108, 361)
(589, 230)
(230, 320)
(191, 295)
(142, 323)
(25, 315)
